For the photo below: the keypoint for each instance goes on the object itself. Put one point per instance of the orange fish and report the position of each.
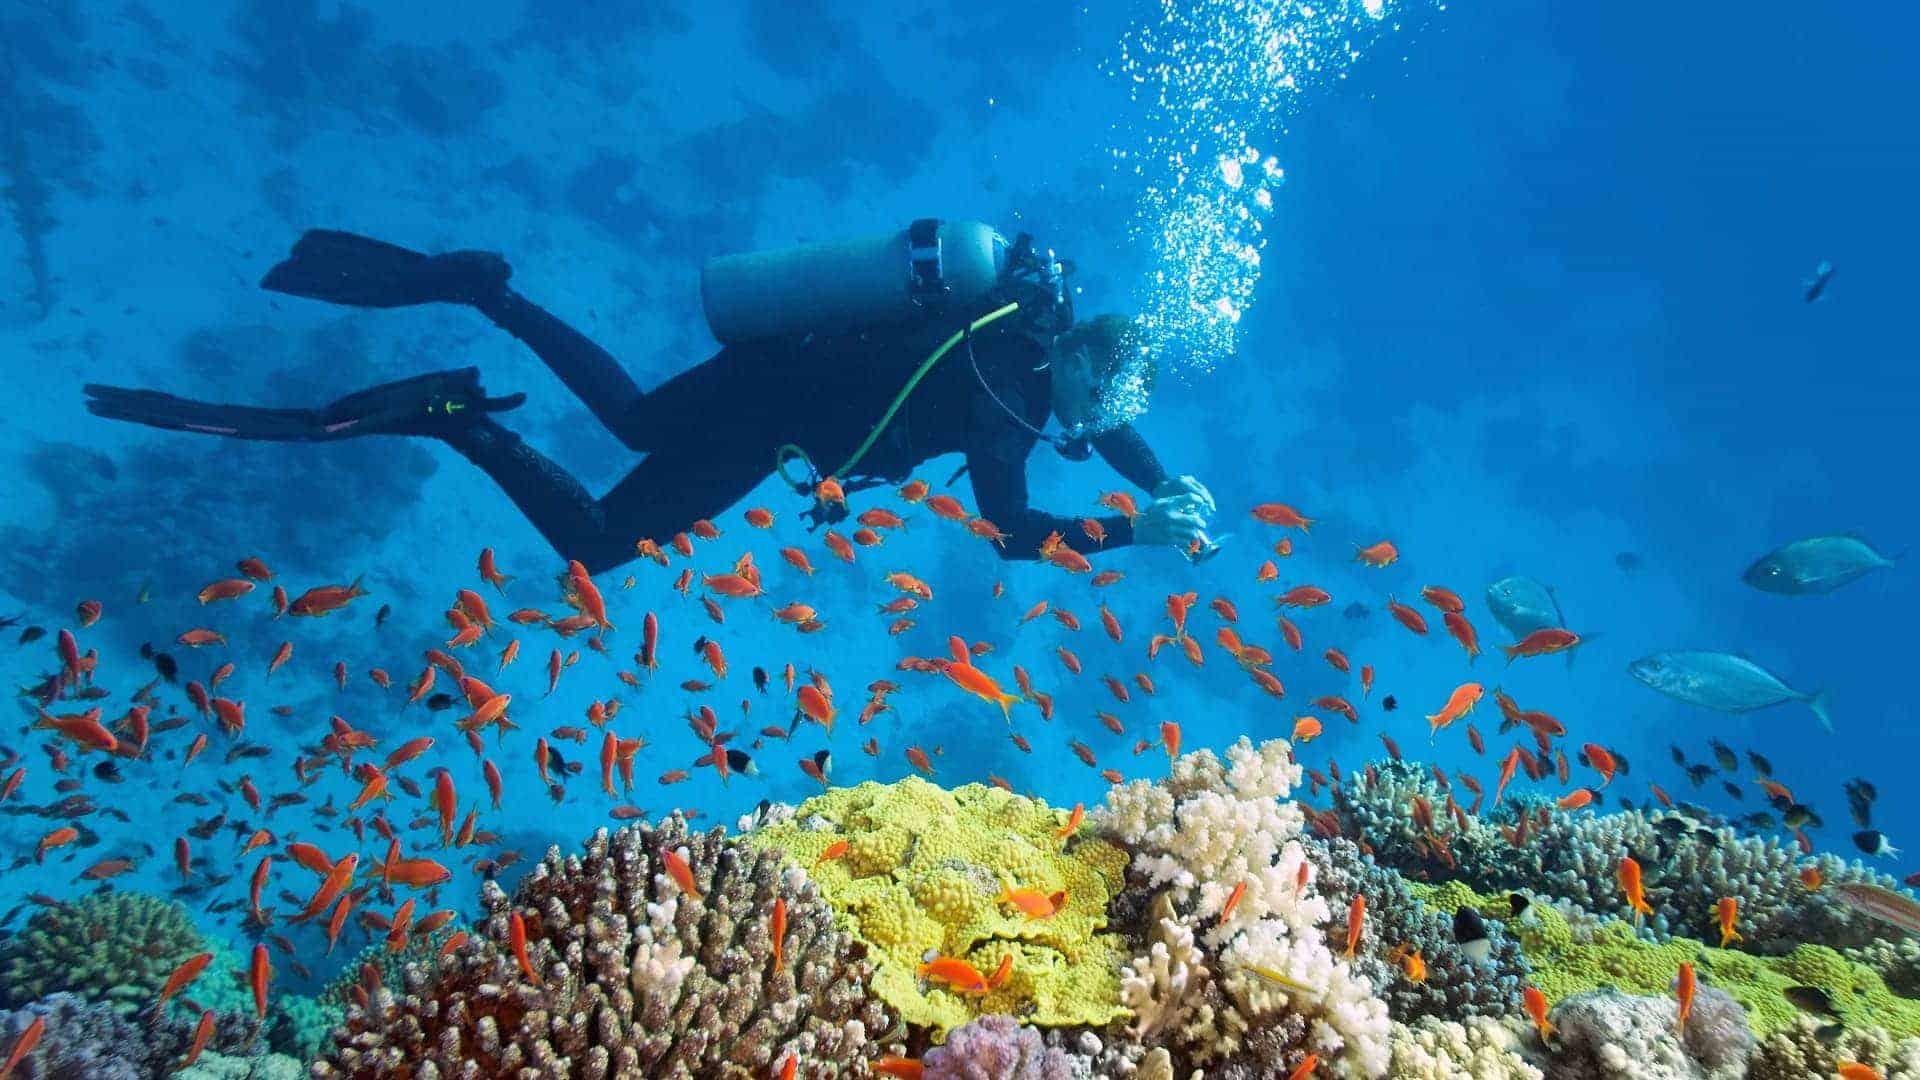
(1459, 703)
(1072, 825)
(1281, 514)
(325, 599)
(1378, 556)
(1543, 642)
(1628, 874)
(59, 837)
(1601, 761)
(679, 871)
(490, 573)
(832, 851)
(919, 760)
(1845, 1068)
(1407, 616)
(259, 974)
(225, 589)
(1032, 902)
(1356, 922)
(1811, 877)
(777, 928)
(1683, 986)
(1576, 799)
(1170, 738)
(1233, 898)
(1306, 1067)
(1729, 910)
(1464, 633)
(1536, 1005)
(517, 938)
(1305, 728)
(1304, 596)
(896, 1066)
(959, 975)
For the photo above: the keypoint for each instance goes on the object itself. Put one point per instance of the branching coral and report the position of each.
(1401, 918)
(1687, 866)
(1796, 1052)
(111, 947)
(1210, 828)
(630, 976)
(922, 874)
(1481, 1048)
(94, 1041)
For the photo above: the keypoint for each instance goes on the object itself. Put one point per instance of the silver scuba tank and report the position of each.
(845, 286)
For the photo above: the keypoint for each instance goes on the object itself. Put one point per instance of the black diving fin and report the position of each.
(359, 271)
(429, 404)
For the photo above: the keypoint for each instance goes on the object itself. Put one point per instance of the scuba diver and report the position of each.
(880, 354)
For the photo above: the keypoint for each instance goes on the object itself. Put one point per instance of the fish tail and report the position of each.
(1819, 704)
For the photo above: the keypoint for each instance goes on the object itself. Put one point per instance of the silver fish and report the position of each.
(1815, 566)
(1721, 681)
(1895, 909)
(1522, 605)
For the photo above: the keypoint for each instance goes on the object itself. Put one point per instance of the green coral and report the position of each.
(302, 1026)
(112, 947)
(1565, 963)
(922, 874)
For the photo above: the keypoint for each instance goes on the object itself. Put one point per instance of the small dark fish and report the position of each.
(167, 666)
(1732, 789)
(1673, 825)
(440, 702)
(205, 830)
(1519, 903)
(1759, 821)
(1860, 796)
(108, 771)
(1356, 610)
(380, 617)
(1621, 766)
(1875, 842)
(1724, 754)
(1627, 561)
(1760, 764)
(1698, 774)
(1679, 756)
(146, 650)
(700, 645)
(1707, 837)
(1388, 703)
(1470, 933)
(248, 750)
(32, 634)
(760, 679)
(191, 798)
(1828, 1034)
(1816, 286)
(1811, 999)
(1866, 789)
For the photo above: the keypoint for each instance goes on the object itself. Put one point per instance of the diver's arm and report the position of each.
(1131, 457)
(592, 373)
(1000, 489)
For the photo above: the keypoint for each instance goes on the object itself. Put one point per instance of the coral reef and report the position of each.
(1687, 865)
(115, 948)
(997, 1048)
(922, 873)
(1480, 1048)
(1212, 827)
(1455, 986)
(1798, 1051)
(629, 975)
(302, 1027)
(95, 1041)
(1608, 1035)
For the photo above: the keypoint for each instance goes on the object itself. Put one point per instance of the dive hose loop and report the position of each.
(789, 451)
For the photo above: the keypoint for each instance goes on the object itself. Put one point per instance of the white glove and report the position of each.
(1176, 521)
(1190, 489)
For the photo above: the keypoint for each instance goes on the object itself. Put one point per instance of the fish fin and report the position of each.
(1585, 640)
(1819, 704)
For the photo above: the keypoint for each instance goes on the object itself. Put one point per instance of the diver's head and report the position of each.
(1101, 374)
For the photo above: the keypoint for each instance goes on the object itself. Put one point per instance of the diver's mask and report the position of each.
(1037, 280)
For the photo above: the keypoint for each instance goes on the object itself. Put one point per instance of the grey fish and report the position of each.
(1812, 288)
(1815, 566)
(1522, 605)
(1722, 681)
(1883, 904)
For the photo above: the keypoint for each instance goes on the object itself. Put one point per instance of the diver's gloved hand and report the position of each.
(1195, 494)
(1175, 521)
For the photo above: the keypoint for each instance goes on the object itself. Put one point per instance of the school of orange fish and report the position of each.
(319, 878)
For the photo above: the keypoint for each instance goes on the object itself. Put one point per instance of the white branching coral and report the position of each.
(1157, 983)
(1215, 827)
(1481, 1048)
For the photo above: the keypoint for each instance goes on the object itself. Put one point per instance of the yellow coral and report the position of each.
(923, 873)
(1616, 957)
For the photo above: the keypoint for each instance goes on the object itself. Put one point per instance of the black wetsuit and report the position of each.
(710, 432)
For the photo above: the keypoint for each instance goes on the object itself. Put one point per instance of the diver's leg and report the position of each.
(588, 370)
(664, 495)
(359, 271)
(429, 404)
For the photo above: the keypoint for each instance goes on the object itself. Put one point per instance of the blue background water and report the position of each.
(1531, 301)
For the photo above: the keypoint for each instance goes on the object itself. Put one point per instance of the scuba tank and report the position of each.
(932, 267)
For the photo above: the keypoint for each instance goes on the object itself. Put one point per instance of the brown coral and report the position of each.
(635, 979)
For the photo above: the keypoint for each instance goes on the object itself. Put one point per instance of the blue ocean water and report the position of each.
(1529, 302)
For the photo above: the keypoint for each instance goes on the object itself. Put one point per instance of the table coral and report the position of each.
(922, 873)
